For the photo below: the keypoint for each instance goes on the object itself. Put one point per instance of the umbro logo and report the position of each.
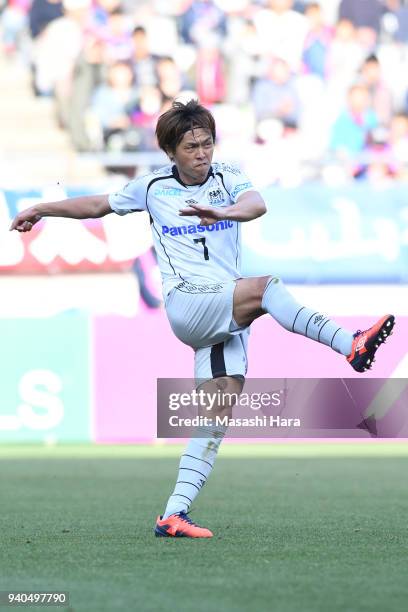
(191, 201)
(318, 319)
(361, 343)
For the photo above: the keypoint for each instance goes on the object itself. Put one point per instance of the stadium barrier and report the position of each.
(311, 234)
(317, 234)
(74, 377)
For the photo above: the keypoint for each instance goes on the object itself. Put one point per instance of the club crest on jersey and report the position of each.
(216, 196)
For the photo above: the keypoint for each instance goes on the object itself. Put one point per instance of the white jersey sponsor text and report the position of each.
(186, 250)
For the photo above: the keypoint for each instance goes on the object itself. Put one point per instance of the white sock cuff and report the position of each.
(269, 287)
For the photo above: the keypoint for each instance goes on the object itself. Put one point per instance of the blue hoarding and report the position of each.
(315, 234)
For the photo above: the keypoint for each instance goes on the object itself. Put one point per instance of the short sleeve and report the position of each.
(132, 198)
(235, 181)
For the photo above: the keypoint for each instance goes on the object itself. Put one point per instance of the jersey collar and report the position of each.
(176, 175)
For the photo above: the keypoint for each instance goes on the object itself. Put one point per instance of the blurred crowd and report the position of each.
(301, 89)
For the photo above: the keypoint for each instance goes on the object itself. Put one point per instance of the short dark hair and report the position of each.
(179, 119)
(139, 30)
(371, 59)
(118, 10)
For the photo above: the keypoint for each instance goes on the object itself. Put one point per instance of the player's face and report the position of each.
(193, 156)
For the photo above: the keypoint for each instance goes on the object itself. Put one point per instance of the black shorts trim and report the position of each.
(217, 360)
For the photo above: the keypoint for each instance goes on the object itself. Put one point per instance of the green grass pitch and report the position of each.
(298, 527)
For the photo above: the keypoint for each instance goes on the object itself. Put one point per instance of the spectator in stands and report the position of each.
(351, 130)
(56, 52)
(170, 79)
(282, 31)
(89, 72)
(113, 104)
(400, 26)
(102, 9)
(161, 26)
(13, 21)
(376, 164)
(366, 16)
(117, 37)
(317, 42)
(363, 13)
(380, 96)
(202, 19)
(143, 61)
(210, 77)
(344, 59)
(223, 49)
(275, 95)
(42, 12)
(145, 116)
(243, 60)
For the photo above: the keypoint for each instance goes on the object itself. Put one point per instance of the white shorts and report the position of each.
(200, 316)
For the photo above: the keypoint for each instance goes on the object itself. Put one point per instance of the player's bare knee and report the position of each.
(229, 389)
(248, 297)
(221, 394)
(259, 286)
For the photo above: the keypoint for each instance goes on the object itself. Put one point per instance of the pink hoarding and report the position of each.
(274, 352)
(130, 354)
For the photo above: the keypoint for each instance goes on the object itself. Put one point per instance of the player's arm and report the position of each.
(83, 207)
(249, 205)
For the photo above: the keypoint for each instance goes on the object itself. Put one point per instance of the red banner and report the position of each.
(67, 245)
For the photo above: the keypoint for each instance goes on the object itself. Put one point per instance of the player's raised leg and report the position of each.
(267, 294)
(197, 462)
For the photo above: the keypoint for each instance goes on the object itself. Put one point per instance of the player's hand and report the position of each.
(208, 214)
(24, 221)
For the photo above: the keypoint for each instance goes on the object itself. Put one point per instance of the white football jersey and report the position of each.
(185, 249)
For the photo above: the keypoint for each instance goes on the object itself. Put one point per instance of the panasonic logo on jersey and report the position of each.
(194, 229)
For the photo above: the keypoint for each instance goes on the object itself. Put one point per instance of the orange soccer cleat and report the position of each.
(366, 343)
(180, 525)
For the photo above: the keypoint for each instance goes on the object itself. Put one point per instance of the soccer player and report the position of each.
(196, 208)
